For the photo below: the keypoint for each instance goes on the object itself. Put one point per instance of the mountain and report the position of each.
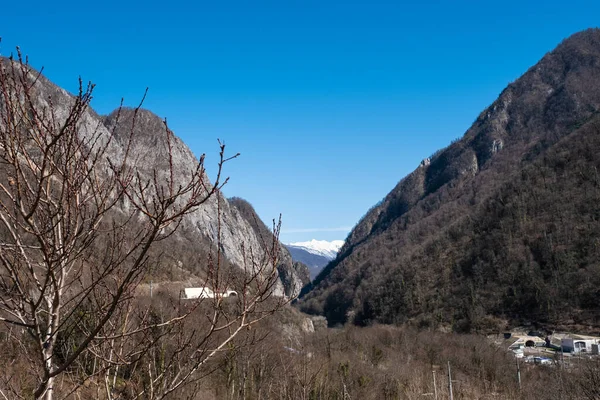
(315, 253)
(183, 255)
(236, 231)
(314, 262)
(499, 228)
(320, 247)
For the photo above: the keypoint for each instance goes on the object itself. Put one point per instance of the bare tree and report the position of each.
(77, 226)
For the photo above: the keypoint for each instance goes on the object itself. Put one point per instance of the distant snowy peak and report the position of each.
(320, 247)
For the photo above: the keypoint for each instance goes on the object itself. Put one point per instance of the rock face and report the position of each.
(235, 230)
(403, 260)
(294, 275)
(151, 150)
(199, 230)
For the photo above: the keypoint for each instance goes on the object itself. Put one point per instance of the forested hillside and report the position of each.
(500, 227)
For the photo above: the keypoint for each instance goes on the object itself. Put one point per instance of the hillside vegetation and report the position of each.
(501, 227)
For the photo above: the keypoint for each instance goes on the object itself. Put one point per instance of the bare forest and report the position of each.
(81, 227)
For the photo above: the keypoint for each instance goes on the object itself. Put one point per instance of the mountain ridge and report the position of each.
(328, 249)
(316, 254)
(549, 102)
(155, 150)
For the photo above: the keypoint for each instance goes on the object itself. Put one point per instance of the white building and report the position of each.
(580, 344)
(205, 292)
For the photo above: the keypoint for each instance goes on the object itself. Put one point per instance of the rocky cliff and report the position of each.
(216, 221)
(294, 275)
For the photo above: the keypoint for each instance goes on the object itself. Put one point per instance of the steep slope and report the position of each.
(201, 228)
(423, 253)
(294, 275)
(185, 253)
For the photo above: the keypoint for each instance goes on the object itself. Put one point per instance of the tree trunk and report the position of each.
(50, 389)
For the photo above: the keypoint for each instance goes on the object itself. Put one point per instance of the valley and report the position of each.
(126, 273)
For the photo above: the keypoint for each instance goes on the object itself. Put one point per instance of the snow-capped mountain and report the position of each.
(315, 254)
(321, 247)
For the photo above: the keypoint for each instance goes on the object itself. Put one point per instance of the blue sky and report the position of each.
(330, 103)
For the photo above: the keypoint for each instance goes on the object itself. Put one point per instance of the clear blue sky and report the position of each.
(330, 103)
